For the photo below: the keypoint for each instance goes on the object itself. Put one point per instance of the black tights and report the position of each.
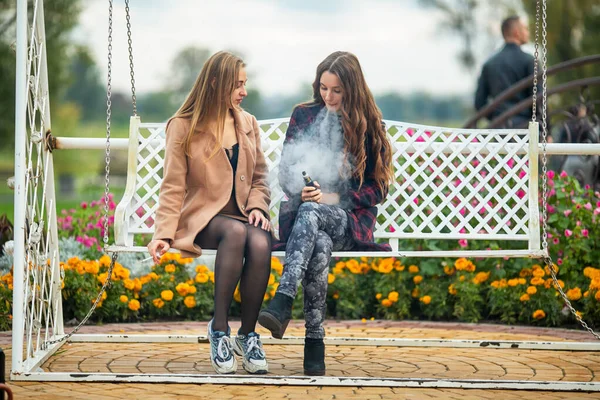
(243, 251)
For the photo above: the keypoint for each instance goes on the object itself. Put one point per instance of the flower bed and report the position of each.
(508, 291)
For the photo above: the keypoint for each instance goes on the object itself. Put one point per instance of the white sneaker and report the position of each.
(221, 351)
(250, 348)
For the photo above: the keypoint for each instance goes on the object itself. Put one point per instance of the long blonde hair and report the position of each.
(210, 96)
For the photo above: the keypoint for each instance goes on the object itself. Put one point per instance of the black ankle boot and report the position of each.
(277, 315)
(314, 357)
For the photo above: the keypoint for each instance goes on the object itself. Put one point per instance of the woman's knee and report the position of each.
(308, 207)
(235, 233)
(258, 240)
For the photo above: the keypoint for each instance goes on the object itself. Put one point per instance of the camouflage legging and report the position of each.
(318, 230)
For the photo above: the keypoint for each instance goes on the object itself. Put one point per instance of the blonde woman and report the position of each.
(215, 195)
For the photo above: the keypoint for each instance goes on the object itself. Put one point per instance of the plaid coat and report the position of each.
(362, 203)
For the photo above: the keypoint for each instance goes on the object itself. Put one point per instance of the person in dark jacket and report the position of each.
(504, 69)
(339, 140)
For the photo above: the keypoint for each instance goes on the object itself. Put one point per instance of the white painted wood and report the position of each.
(310, 381)
(81, 143)
(349, 341)
(450, 184)
(18, 328)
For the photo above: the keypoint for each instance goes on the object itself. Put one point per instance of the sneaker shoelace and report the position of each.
(224, 347)
(254, 348)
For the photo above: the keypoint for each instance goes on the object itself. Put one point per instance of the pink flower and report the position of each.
(462, 211)
(588, 206)
(550, 174)
(585, 233)
(597, 211)
(84, 205)
(556, 240)
(559, 261)
(72, 211)
(112, 205)
(568, 233)
(563, 174)
(521, 193)
(551, 209)
(511, 163)
(578, 223)
(551, 192)
(416, 200)
(463, 242)
(567, 212)
(587, 187)
(392, 229)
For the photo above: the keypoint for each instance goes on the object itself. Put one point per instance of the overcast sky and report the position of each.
(398, 43)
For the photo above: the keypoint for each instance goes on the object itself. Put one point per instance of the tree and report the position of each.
(84, 86)
(60, 18)
(185, 68)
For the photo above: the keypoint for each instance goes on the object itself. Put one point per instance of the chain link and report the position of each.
(107, 283)
(113, 260)
(129, 42)
(548, 258)
(535, 62)
(108, 119)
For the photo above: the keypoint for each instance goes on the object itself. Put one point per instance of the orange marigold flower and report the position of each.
(413, 269)
(537, 281)
(417, 279)
(123, 298)
(134, 305)
(158, 303)
(531, 290)
(574, 294)
(170, 268)
(426, 299)
(201, 277)
(201, 268)
(539, 314)
(524, 297)
(189, 301)
(330, 279)
(166, 295)
(386, 303)
(525, 272)
(452, 290)
(393, 296)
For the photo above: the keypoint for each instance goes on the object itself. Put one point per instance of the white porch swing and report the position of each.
(451, 184)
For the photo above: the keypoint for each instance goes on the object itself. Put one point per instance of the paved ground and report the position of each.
(488, 364)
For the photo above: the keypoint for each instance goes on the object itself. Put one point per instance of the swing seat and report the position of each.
(451, 184)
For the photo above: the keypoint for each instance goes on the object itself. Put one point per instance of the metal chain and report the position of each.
(108, 280)
(133, 98)
(548, 258)
(107, 283)
(535, 62)
(108, 115)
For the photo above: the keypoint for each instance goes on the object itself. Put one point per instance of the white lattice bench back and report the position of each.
(451, 184)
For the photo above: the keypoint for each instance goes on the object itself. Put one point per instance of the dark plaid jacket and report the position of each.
(362, 203)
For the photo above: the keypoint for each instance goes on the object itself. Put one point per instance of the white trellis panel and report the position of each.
(37, 301)
(454, 184)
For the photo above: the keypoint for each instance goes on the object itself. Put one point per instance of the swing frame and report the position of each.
(40, 324)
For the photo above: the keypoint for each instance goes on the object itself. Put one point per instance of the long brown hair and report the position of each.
(210, 97)
(360, 117)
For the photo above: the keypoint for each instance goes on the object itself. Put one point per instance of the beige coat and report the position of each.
(195, 189)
